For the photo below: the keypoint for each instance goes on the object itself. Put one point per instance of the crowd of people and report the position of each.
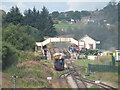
(74, 51)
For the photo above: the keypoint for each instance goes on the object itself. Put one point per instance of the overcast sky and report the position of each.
(55, 5)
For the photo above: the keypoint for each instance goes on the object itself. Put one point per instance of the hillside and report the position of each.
(100, 24)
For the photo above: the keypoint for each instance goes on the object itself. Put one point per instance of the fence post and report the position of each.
(113, 60)
(88, 67)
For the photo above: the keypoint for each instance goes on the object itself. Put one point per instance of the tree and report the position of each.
(19, 39)
(70, 14)
(32, 18)
(50, 30)
(28, 17)
(77, 15)
(14, 16)
(42, 21)
(110, 12)
(35, 33)
(55, 14)
(85, 13)
(9, 55)
(46, 24)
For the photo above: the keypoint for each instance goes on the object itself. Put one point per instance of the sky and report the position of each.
(55, 5)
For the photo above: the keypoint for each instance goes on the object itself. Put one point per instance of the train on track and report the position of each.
(59, 61)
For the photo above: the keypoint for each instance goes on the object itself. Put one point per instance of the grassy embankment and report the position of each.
(110, 78)
(32, 72)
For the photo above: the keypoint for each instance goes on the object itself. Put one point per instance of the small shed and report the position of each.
(87, 42)
(117, 55)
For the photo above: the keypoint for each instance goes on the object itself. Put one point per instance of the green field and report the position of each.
(66, 26)
(84, 62)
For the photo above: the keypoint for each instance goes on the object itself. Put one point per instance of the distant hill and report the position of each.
(106, 15)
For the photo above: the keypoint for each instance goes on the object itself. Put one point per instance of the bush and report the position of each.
(9, 55)
(28, 56)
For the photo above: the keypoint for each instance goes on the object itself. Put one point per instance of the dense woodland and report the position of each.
(21, 31)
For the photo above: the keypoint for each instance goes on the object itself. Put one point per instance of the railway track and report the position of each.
(83, 81)
(78, 79)
(102, 85)
(80, 83)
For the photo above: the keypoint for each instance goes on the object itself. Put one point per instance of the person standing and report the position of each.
(45, 53)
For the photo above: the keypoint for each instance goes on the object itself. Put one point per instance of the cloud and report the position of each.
(67, 4)
(72, 5)
(21, 6)
(86, 4)
(56, 0)
(4, 7)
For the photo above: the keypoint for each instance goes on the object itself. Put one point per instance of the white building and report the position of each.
(88, 42)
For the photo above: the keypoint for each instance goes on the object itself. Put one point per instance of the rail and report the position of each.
(80, 83)
(77, 77)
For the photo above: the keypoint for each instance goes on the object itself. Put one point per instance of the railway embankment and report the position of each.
(30, 71)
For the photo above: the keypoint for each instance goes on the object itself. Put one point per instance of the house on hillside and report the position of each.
(72, 21)
(87, 42)
(85, 20)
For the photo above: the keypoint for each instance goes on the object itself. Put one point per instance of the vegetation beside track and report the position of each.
(58, 73)
(94, 86)
(29, 55)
